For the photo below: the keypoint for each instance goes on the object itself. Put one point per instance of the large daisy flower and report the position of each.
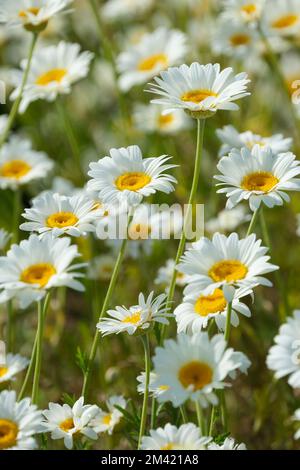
(37, 265)
(284, 357)
(228, 444)
(19, 164)
(194, 366)
(19, 422)
(14, 363)
(258, 176)
(282, 18)
(126, 176)
(53, 71)
(225, 261)
(106, 421)
(186, 437)
(155, 52)
(199, 89)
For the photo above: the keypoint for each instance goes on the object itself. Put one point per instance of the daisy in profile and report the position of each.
(155, 391)
(297, 418)
(101, 267)
(194, 367)
(155, 52)
(19, 422)
(151, 118)
(186, 437)
(258, 176)
(19, 164)
(14, 363)
(227, 220)
(247, 11)
(282, 18)
(284, 357)
(228, 444)
(234, 39)
(199, 89)
(68, 423)
(61, 215)
(225, 261)
(125, 176)
(231, 139)
(53, 71)
(4, 239)
(37, 265)
(114, 10)
(106, 421)
(165, 274)
(136, 319)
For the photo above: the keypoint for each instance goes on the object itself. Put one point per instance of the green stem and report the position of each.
(223, 410)
(29, 370)
(106, 46)
(253, 222)
(145, 341)
(212, 421)
(200, 420)
(10, 326)
(183, 414)
(228, 322)
(15, 108)
(16, 215)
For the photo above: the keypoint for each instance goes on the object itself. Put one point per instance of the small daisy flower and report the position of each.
(225, 261)
(282, 18)
(194, 366)
(53, 71)
(151, 118)
(101, 267)
(68, 423)
(290, 66)
(232, 139)
(165, 274)
(228, 444)
(61, 215)
(4, 239)
(155, 391)
(106, 421)
(284, 357)
(155, 52)
(246, 11)
(14, 363)
(19, 422)
(125, 176)
(258, 176)
(297, 418)
(234, 39)
(37, 265)
(136, 319)
(227, 220)
(114, 10)
(199, 89)
(19, 164)
(186, 437)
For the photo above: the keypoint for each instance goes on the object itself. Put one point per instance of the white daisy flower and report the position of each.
(258, 176)
(14, 363)
(234, 39)
(225, 261)
(290, 66)
(68, 423)
(61, 215)
(228, 444)
(297, 418)
(231, 139)
(106, 421)
(199, 89)
(186, 437)
(37, 265)
(101, 267)
(19, 422)
(165, 274)
(3, 122)
(281, 18)
(151, 118)
(137, 318)
(154, 390)
(32, 14)
(4, 238)
(155, 52)
(194, 366)
(114, 10)
(53, 71)
(126, 177)
(284, 357)
(19, 164)
(195, 312)
(247, 11)
(227, 220)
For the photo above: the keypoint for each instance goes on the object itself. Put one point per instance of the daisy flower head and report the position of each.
(193, 367)
(225, 261)
(228, 444)
(101, 267)
(155, 52)
(54, 69)
(151, 118)
(297, 418)
(114, 10)
(284, 357)
(126, 177)
(136, 319)
(36, 265)
(227, 220)
(232, 139)
(68, 423)
(154, 390)
(199, 89)
(106, 421)
(281, 18)
(14, 363)
(165, 273)
(247, 11)
(290, 66)
(19, 422)
(4, 239)
(19, 164)
(61, 215)
(258, 176)
(186, 437)
(234, 39)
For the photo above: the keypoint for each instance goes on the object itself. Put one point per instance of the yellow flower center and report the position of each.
(165, 119)
(259, 181)
(195, 373)
(67, 424)
(38, 274)
(54, 75)
(228, 270)
(106, 419)
(15, 169)
(8, 433)
(197, 96)
(285, 21)
(213, 303)
(163, 388)
(239, 40)
(134, 318)
(153, 61)
(139, 231)
(3, 371)
(249, 9)
(250, 144)
(33, 10)
(168, 446)
(291, 85)
(61, 220)
(132, 181)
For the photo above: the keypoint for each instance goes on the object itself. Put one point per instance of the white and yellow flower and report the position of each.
(281, 18)
(228, 444)
(155, 391)
(165, 274)
(234, 39)
(246, 11)
(227, 220)
(151, 118)
(14, 363)
(186, 437)
(101, 267)
(106, 421)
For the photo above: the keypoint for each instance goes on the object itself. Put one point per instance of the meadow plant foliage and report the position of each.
(122, 327)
